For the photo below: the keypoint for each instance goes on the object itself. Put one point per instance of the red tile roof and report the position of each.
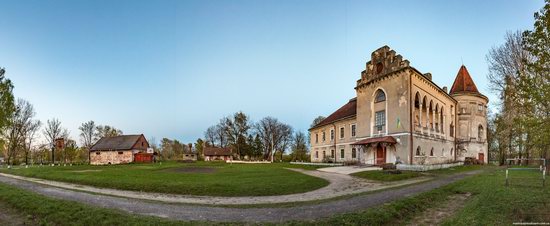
(386, 139)
(348, 110)
(463, 82)
(213, 151)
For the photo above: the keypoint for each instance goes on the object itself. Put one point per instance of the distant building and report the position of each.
(217, 154)
(399, 115)
(189, 154)
(120, 150)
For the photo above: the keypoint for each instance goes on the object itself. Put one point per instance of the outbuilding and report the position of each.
(217, 154)
(120, 150)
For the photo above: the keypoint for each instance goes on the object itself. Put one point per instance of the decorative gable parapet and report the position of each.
(383, 62)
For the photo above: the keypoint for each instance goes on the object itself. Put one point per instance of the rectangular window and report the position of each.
(480, 108)
(324, 137)
(380, 120)
(353, 153)
(316, 154)
(120, 153)
(98, 153)
(341, 153)
(324, 154)
(331, 134)
(341, 132)
(353, 130)
(332, 153)
(316, 138)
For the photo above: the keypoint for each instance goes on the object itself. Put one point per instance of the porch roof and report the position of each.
(384, 139)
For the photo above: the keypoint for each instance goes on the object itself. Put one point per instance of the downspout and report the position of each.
(454, 128)
(335, 154)
(410, 121)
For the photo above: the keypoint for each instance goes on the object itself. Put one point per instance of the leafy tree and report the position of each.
(88, 134)
(199, 147)
(6, 100)
(299, 147)
(108, 131)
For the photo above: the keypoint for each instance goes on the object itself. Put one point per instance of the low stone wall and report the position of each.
(427, 167)
(246, 162)
(317, 163)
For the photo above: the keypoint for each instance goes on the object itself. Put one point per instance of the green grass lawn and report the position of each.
(201, 178)
(380, 175)
(491, 203)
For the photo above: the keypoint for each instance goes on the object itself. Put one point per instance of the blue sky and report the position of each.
(173, 68)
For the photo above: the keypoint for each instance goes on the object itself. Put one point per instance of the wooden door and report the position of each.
(380, 155)
(481, 157)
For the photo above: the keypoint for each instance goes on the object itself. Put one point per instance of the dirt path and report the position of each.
(203, 213)
(435, 215)
(339, 185)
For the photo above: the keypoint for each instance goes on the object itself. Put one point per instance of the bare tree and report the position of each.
(21, 129)
(317, 120)
(88, 134)
(274, 136)
(52, 131)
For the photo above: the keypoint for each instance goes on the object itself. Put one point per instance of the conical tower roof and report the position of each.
(463, 82)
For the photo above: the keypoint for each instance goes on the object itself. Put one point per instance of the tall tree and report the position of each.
(299, 147)
(21, 126)
(6, 100)
(274, 136)
(507, 68)
(88, 134)
(236, 130)
(536, 87)
(52, 131)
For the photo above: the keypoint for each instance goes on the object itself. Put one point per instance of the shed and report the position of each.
(214, 154)
(120, 150)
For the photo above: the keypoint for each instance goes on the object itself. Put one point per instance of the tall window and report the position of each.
(331, 134)
(332, 153)
(418, 151)
(432, 152)
(341, 132)
(353, 130)
(324, 154)
(353, 153)
(324, 136)
(316, 138)
(316, 154)
(380, 96)
(452, 130)
(341, 153)
(380, 120)
(480, 132)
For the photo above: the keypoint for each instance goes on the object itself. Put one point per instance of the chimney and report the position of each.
(445, 89)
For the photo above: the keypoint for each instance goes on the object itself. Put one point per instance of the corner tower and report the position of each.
(471, 137)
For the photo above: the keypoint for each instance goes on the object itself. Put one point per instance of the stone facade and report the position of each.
(400, 115)
(111, 157)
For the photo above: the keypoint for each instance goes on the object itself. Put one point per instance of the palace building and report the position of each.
(399, 115)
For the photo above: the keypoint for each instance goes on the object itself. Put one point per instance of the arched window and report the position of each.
(418, 151)
(380, 96)
(432, 152)
(452, 130)
(443, 152)
(480, 132)
(451, 152)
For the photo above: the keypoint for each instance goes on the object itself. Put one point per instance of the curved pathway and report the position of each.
(339, 185)
(224, 214)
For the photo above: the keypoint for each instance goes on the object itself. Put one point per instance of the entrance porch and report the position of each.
(377, 150)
